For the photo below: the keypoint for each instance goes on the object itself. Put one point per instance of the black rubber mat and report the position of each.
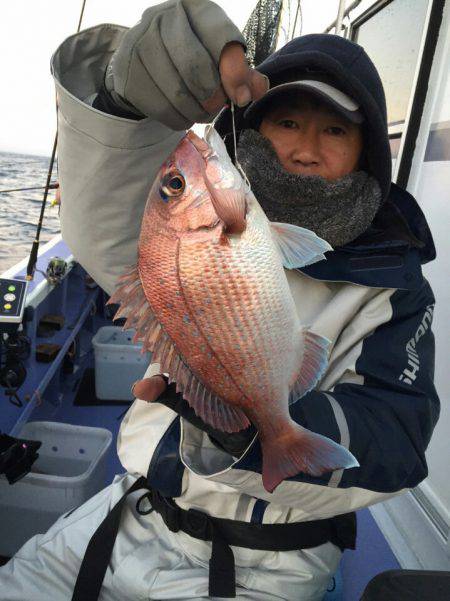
(85, 395)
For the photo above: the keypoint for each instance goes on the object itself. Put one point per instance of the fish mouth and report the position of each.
(229, 203)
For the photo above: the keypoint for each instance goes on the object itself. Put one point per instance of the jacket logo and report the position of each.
(409, 374)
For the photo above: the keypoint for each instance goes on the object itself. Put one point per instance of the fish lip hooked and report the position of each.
(236, 225)
(201, 146)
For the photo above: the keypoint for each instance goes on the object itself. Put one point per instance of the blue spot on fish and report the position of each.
(186, 319)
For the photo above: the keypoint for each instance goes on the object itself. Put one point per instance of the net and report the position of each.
(261, 30)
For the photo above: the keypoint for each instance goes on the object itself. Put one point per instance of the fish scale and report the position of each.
(161, 262)
(251, 322)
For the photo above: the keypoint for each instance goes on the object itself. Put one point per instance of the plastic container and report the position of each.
(70, 469)
(118, 363)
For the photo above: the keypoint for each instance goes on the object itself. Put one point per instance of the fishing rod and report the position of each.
(34, 249)
(51, 187)
(31, 267)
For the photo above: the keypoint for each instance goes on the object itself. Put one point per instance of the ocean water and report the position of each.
(19, 211)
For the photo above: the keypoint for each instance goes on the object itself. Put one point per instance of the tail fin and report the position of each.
(301, 450)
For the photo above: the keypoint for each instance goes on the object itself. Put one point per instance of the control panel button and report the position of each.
(13, 296)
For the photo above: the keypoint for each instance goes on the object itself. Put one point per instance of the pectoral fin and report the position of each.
(298, 246)
(313, 366)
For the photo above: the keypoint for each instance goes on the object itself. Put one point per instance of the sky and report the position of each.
(31, 30)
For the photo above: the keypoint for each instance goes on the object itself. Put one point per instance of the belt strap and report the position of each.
(222, 533)
(340, 530)
(99, 550)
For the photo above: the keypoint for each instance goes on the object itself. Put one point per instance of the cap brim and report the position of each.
(327, 94)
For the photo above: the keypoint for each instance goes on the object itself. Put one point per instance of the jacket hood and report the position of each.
(352, 71)
(389, 254)
(399, 225)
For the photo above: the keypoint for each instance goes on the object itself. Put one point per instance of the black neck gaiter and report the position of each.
(338, 211)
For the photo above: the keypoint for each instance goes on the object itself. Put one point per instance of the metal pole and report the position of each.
(340, 17)
(297, 12)
(347, 12)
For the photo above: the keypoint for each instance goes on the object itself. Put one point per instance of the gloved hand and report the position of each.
(180, 63)
(157, 389)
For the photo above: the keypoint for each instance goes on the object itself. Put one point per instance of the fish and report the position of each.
(210, 299)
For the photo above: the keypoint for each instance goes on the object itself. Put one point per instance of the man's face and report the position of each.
(312, 139)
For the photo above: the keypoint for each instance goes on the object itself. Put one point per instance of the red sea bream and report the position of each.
(210, 299)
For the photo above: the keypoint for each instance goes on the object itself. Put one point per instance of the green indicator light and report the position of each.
(11, 288)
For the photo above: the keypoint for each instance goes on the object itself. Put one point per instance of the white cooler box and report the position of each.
(70, 469)
(118, 363)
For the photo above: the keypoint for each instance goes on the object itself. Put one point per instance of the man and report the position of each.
(316, 153)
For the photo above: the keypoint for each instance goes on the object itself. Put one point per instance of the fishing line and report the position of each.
(236, 160)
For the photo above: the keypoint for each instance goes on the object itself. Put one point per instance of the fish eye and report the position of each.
(173, 184)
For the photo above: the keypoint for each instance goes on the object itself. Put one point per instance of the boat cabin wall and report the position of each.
(409, 42)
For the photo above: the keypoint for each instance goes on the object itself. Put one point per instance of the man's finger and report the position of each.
(149, 389)
(259, 84)
(241, 83)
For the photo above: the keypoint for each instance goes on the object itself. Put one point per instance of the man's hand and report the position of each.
(181, 62)
(155, 389)
(239, 82)
(149, 389)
